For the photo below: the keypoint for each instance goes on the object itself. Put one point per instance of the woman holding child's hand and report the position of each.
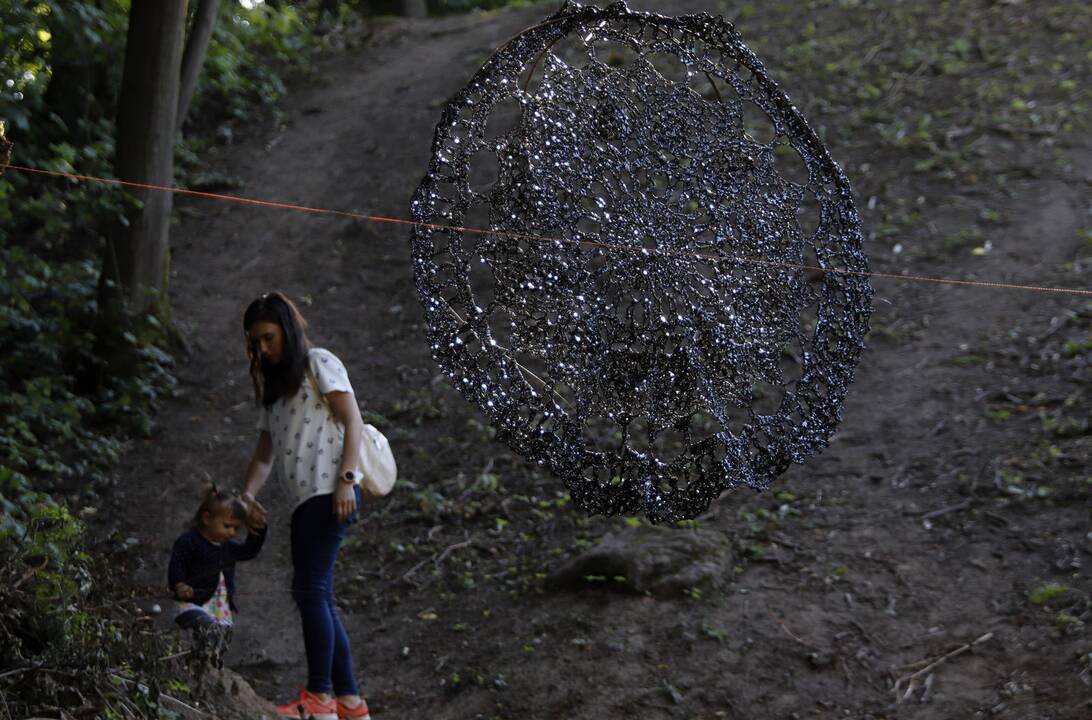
(201, 572)
(309, 436)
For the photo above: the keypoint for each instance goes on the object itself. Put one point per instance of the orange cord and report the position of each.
(539, 238)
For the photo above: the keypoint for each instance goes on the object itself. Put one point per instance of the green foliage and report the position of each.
(48, 214)
(28, 31)
(58, 645)
(50, 431)
(250, 52)
(23, 45)
(56, 400)
(1045, 593)
(63, 415)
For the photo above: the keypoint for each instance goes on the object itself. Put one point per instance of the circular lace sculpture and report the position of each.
(639, 261)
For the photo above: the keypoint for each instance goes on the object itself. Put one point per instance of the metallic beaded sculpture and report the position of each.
(639, 261)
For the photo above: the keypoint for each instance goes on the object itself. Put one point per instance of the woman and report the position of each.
(310, 438)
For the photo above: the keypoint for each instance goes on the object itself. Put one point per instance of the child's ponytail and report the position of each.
(216, 501)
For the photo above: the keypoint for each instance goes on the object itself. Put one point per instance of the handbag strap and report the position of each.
(314, 386)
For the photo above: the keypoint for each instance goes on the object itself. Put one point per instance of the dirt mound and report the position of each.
(650, 560)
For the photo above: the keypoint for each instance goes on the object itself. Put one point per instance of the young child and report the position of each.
(202, 570)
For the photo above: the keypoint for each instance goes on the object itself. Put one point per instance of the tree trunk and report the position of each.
(415, 8)
(134, 275)
(197, 46)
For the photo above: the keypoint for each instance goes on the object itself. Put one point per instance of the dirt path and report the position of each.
(953, 490)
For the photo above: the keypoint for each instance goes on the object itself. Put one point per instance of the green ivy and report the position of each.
(60, 422)
(250, 53)
(59, 645)
(63, 418)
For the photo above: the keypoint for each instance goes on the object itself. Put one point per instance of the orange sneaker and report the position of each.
(357, 712)
(309, 707)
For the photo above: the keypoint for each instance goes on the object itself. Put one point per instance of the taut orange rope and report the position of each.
(537, 238)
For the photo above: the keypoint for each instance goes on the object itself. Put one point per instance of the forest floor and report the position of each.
(948, 520)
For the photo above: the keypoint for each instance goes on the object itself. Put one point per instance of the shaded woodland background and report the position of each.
(951, 507)
(135, 91)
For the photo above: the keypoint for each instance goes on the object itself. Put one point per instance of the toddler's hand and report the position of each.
(182, 591)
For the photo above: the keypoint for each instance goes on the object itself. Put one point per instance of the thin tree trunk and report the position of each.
(197, 46)
(135, 265)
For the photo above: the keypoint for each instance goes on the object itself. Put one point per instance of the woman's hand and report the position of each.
(347, 413)
(344, 501)
(255, 512)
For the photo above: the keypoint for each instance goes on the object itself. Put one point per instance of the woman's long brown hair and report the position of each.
(272, 382)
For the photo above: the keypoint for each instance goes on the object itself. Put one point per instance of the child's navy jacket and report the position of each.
(198, 563)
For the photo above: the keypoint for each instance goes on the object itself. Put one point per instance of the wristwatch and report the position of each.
(349, 477)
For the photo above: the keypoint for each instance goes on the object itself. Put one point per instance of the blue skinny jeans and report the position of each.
(316, 538)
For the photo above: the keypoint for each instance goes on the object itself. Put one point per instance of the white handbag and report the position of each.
(377, 467)
(376, 463)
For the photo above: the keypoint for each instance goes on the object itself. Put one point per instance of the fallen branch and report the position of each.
(16, 671)
(790, 633)
(438, 557)
(162, 696)
(785, 542)
(945, 510)
(31, 573)
(911, 680)
(1034, 131)
(443, 555)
